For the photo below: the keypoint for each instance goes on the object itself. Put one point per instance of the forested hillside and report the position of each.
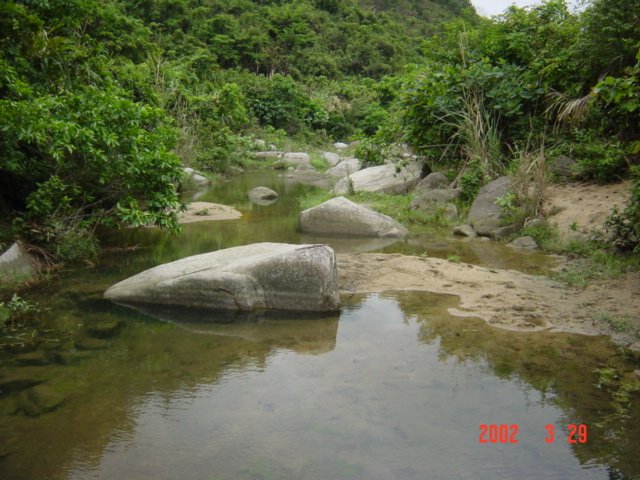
(102, 101)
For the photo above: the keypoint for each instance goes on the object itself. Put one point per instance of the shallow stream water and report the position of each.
(392, 388)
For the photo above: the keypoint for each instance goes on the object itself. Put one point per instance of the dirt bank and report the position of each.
(510, 299)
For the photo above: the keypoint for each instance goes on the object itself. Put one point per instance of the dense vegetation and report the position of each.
(102, 101)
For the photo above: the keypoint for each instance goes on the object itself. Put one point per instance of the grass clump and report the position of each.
(620, 323)
(592, 263)
(16, 312)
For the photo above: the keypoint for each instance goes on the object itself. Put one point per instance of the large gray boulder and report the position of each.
(275, 276)
(340, 216)
(347, 166)
(486, 214)
(382, 179)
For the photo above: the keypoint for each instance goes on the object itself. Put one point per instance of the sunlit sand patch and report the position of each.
(204, 211)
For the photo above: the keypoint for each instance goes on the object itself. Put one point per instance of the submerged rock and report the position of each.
(105, 329)
(91, 343)
(37, 357)
(39, 400)
(464, 231)
(526, 242)
(341, 216)
(262, 196)
(16, 382)
(274, 276)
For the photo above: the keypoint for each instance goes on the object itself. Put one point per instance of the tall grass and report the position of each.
(530, 178)
(479, 141)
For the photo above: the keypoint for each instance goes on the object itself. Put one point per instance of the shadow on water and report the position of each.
(393, 388)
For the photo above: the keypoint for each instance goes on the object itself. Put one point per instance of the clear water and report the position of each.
(392, 388)
(277, 223)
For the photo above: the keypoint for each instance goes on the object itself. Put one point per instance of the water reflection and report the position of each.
(302, 332)
(396, 389)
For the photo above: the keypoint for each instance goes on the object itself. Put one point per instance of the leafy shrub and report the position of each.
(16, 312)
(625, 226)
(371, 151)
(471, 180)
(599, 158)
(280, 103)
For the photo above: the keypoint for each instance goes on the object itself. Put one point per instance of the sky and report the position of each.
(494, 7)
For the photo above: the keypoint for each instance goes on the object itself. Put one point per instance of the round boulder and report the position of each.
(433, 181)
(262, 196)
(528, 243)
(342, 217)
(486, 215)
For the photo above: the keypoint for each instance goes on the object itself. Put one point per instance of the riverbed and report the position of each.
(394, 387)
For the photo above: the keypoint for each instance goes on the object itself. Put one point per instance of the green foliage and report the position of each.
(530, 178)
(372, 151)
(91, 155)
(600, 158)
(16, 312)
(76, 149)
(437, 101)
(594, 262)
(624, 226)
(607, 42)
(280, 103)
(472, 180)
(621, 388)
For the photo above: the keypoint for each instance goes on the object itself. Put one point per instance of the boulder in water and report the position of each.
(340, 216)
(274, 276)
(262, 196)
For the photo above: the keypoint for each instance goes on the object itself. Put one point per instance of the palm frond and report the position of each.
(568, 111)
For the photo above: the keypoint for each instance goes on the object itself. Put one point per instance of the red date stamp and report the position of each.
(507, 434)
